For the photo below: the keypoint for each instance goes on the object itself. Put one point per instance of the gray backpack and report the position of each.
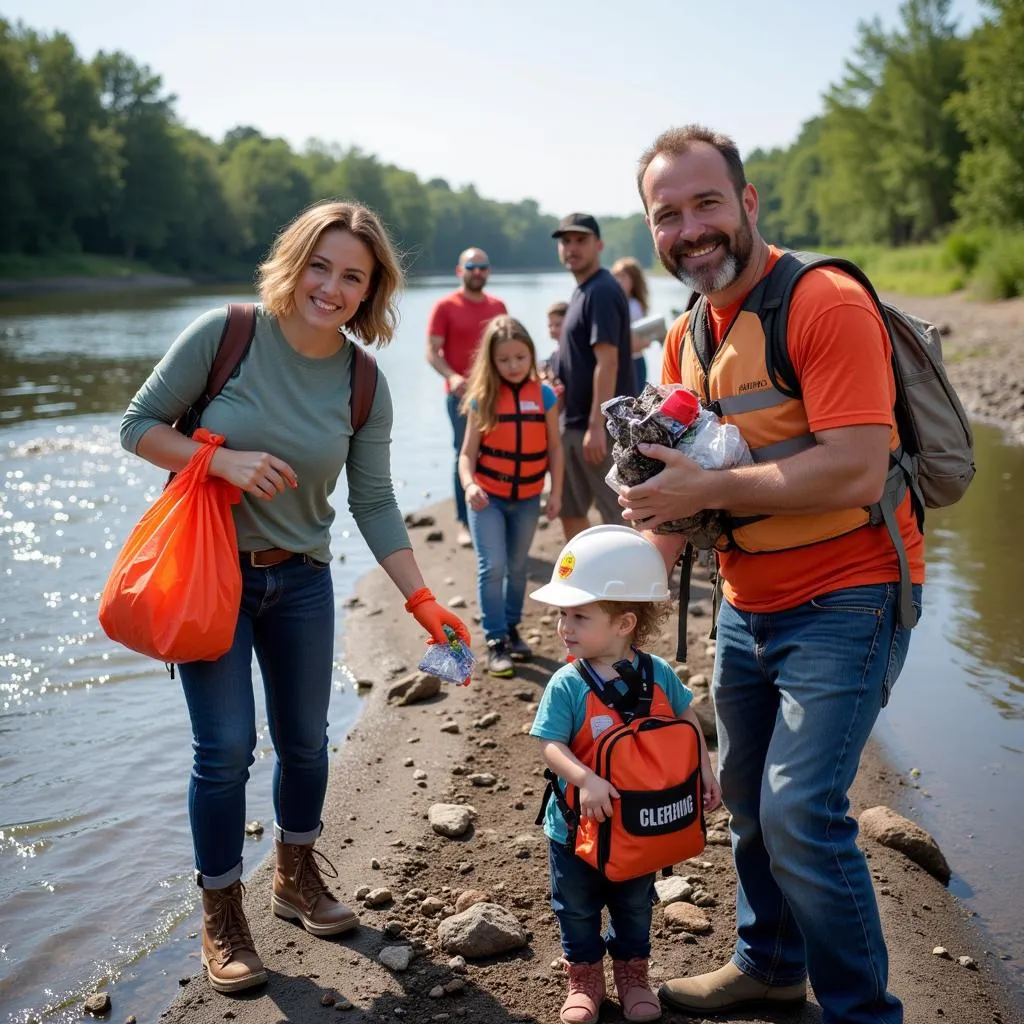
(936, 454)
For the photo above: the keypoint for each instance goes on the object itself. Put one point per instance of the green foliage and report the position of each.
(1000, 270)
(910, 269)
(990, 112)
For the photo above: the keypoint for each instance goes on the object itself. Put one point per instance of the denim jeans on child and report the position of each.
(287, 618)
(458, 422)
(797, 693)
(578, 895)
(502, 533)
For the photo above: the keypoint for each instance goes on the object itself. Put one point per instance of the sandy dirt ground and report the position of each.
(399, 760)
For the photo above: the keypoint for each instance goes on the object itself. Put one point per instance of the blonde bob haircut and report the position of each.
(375, 320)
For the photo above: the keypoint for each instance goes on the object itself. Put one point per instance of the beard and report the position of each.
(711, 277)
(474, 282)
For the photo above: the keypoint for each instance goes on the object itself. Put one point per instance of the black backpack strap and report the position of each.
(636, 701)
(363, 375)
(685, 576)
(780, 284)
(553, 791)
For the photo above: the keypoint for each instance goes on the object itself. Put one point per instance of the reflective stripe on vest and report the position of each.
(773, 425)
(513, 457)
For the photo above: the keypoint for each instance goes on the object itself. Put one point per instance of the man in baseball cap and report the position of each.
(577, 222)
(595, 364)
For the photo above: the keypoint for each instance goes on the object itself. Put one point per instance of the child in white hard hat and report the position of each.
(611, 589)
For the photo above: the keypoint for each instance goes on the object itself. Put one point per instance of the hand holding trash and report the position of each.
(671, 416)
(452, 662)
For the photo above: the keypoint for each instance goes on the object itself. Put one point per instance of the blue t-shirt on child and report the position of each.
(563, 710)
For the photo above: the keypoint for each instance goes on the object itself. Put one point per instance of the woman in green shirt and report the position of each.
(286, 418)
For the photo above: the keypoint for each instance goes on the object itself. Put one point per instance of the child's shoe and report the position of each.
(499, 662)
(634, 990)
(586, 990)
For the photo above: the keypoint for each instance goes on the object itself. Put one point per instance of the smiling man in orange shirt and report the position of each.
(810, 641)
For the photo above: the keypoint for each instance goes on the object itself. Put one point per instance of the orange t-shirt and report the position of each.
(841, 353)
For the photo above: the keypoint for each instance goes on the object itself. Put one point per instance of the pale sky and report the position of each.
(548, 99)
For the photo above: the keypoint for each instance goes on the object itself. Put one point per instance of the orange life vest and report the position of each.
(739, 386)
(652, 758)
(513, 457)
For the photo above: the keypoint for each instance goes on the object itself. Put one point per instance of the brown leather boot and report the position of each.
(300, 892)
(728, 989)
(229, 955)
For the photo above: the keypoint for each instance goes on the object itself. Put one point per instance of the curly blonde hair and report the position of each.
(376, 319)
(650, 617)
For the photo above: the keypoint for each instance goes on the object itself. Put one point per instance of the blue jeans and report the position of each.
(578, 895)
(502, 533)
(287, 618)
(458, 422)
(797, 693)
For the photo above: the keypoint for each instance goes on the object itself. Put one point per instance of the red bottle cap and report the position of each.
(681, 405)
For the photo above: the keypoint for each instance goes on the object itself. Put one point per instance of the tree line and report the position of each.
(924, 132)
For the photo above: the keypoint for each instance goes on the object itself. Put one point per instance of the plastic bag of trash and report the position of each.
(672, 416)
(451, 662)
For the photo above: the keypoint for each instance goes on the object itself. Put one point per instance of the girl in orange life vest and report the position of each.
(512, 442)
(611, 589)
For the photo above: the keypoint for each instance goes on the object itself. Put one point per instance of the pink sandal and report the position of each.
(586, 990)
(638, 1002)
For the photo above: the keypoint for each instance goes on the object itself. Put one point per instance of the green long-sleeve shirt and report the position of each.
(295, 408)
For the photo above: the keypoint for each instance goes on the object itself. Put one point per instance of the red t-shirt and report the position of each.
(841, 354)
(460, 322)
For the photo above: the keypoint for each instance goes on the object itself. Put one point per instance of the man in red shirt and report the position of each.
(453, 334)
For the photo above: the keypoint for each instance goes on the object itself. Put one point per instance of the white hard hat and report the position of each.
(606, 563)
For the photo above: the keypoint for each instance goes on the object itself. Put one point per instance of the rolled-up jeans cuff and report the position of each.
(219, 881)
(297, 838)
(771, 980)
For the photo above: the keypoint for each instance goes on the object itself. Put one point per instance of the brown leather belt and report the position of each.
(267, 557)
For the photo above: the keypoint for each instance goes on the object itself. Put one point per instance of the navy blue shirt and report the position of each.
(598, 313)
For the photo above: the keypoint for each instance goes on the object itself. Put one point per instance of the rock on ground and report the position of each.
(414, 687)
(485, 929)
(890, 829)
(450, 820)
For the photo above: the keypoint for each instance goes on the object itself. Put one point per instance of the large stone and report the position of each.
(98, 1004)
(451, 820)
(414, 687)
(686, 917)
(704, 708)
(485, 929)
(396, 958)
(673, 889)
(890, 829)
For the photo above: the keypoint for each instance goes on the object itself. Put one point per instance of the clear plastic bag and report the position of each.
(451, 662)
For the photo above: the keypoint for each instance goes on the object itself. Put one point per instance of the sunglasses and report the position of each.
(476, 266)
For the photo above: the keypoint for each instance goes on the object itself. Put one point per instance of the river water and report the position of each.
(95, 854)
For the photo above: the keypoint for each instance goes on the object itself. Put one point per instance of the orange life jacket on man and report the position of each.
(739, 386)
(513, 457)
(637, 743)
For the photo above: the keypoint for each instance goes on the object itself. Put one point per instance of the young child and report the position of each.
(548, 368)
(512, 442)
(599, 563)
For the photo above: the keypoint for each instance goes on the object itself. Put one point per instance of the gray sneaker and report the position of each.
(499, 663)
(517, 646)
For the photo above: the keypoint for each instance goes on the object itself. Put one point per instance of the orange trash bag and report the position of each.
(176, 586)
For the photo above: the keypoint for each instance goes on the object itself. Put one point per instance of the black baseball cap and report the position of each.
(577, 222)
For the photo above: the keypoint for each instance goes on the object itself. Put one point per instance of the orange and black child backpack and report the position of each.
(653, 759)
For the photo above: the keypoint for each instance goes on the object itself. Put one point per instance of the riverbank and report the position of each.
(399, 760)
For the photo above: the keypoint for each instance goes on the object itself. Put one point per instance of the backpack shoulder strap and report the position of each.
(239, 330)
(700, 332)
(780, 284)
(363, 385)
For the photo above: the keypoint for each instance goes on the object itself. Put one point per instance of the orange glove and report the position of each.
(433, 617)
